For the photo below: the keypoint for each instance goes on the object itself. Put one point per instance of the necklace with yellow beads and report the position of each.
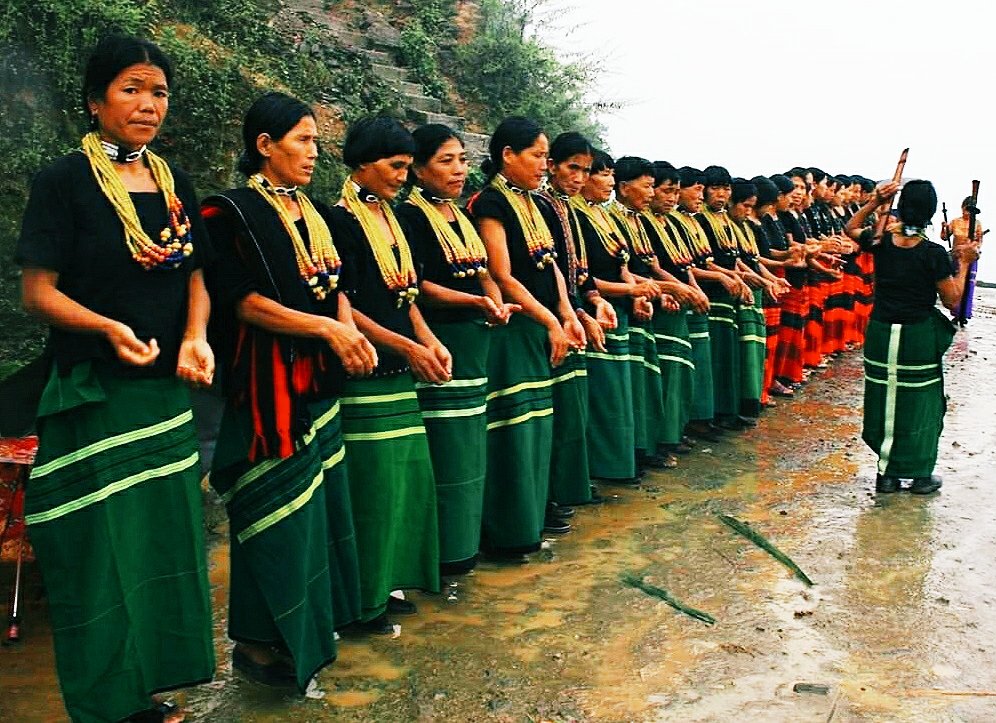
(538, 238)
(398, 272)
(320, 266)
(614, 245)
(175, 241)
(638, 239)
(466, 256)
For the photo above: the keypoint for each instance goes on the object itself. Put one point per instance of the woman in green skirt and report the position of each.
(765, 286)
(520, 405)
(634, 192)
(569, 166)
(393, 490)
(611, 426)
(907, 336)
(112, 249)
(286, 339)
(460, 304)
(674, 347)
(725, 298)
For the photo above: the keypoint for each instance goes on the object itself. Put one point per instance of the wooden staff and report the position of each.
(896, 178)
(965, 308)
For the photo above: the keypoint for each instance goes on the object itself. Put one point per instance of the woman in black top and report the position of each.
(112, 247)
(907, 337)
(286, 341)
(520, 408)
(461, 304)
(392, 488)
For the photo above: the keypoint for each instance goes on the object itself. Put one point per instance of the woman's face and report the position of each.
(598, 187)
(527, 168)
(743, 209)
(384, 177)
(445, 174)
(690, 197)
(637, 193)
(665, 197)
(569, 175)
(133, 107)
(717, 197)
(290, 161)
(784, 201)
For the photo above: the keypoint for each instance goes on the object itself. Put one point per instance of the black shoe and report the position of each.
(506, 557)
(925, 485)
(380, 625)
(596, 498)
(886, 485)
(156, 714)
(747, 421)
(277, 674)
(707, 435)
(555, 526)
(731, 424)
(562, 511)
(652, 461)
(397, 606)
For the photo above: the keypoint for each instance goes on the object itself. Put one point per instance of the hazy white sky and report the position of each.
(762, 86)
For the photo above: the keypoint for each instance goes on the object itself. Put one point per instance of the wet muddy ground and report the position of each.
(900, 625)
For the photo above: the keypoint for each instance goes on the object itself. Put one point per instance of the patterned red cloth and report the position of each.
(791, 335)
(16, 457)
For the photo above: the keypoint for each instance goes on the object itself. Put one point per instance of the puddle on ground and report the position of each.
(900, 625)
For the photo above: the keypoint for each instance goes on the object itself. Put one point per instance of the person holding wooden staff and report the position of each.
(907, 337)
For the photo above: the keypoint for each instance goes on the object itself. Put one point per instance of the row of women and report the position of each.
(405, 384)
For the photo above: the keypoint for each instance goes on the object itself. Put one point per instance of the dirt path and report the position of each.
(903, 613)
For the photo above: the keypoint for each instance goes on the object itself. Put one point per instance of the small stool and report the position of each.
(17, 454)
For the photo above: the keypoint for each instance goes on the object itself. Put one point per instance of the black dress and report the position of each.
(434, 266)
(541, 283)
(368, 292)
(70, 227)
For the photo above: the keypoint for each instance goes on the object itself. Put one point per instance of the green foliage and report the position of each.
(508, 73)
(430, 26)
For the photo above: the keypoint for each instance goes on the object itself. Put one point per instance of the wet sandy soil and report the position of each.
(900, 626)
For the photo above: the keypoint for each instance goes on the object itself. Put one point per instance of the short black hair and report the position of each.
(690, 176)
(569, 144)
(374, 137)
(274, 114)
(767, 192)
(600, 161)
(818, 174)
(113, 54)
(783, 183)
(917, 203)
(429, 139)
(716, 176)
(665, 172)
(629, 168)
(741, 189)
